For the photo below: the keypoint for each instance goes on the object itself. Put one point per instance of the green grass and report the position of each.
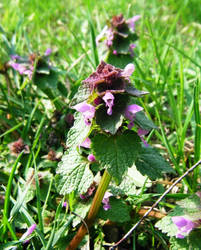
(168, 66)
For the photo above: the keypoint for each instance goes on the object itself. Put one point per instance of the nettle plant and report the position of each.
(119, 38)
(107, 139)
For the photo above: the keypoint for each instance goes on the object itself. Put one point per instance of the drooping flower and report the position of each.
(86, 143)
(185, 226)
(91, 158)
(131, 22)
(128, 71)
(142, 132)
(108, 98)
(106, 201)
(130, 112)
(87, 110)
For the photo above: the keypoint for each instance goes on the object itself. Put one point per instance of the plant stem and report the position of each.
(96, 203)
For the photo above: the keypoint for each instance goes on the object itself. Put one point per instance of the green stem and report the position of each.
(96, 203)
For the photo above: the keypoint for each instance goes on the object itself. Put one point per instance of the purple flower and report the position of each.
(114, 52)
(82, 196)
(131, 22)
(14, 57)
(105, 201)
(28, 232)
(108, 98)
(22, 69)
(91, 158)
(128, 71)
(110, 37)
(48, 52)
(184, 226)
(64, 204)
(131, 48)
(142, 132)
(87, 110)
(130, 112)
(86, 143)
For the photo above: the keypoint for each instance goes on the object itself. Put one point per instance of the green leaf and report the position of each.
(119, 211)
(78, 132)
(73, 173)
(111, 123)
(81, 95)
(81, 209)
(116, 153)
(188, 208)
(151, 163)
(143, 122)
(190, 242)
(119, 61)
(128, 185)
(135, 92)
(191, 206)
(46, 82)
(166, 224)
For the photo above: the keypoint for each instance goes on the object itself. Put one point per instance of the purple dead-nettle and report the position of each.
(184, 225)
(119, 31)
(48, 51)
(108, 98)
(106, 201)
(91, 158)
(130, 112)
(28, 232)
(109, 78)
(87, 110)
(17, 147)
(142, 132)
(25, 65)
(86, 143)
(131, 22)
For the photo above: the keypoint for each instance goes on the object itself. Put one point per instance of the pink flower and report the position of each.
(108, 98)
(91, 158)
(130, 112)
(28, 232)
(87, 110)
(105, 201)
(131, 22)
(110, 37)
(64, 204)
(131, 48)
(142, 132)
(128, 71)
(86, 143)
(22, 69)
(114, 52)
(48, 52)
(184, 226)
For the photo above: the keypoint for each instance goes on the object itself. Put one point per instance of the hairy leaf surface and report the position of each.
(116, 153)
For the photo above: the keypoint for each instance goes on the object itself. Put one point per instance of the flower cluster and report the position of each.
(17, 147)
(119, 31)
(106, 84)
(25, 65)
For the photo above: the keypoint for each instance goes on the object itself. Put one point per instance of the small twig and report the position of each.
(155, 204)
